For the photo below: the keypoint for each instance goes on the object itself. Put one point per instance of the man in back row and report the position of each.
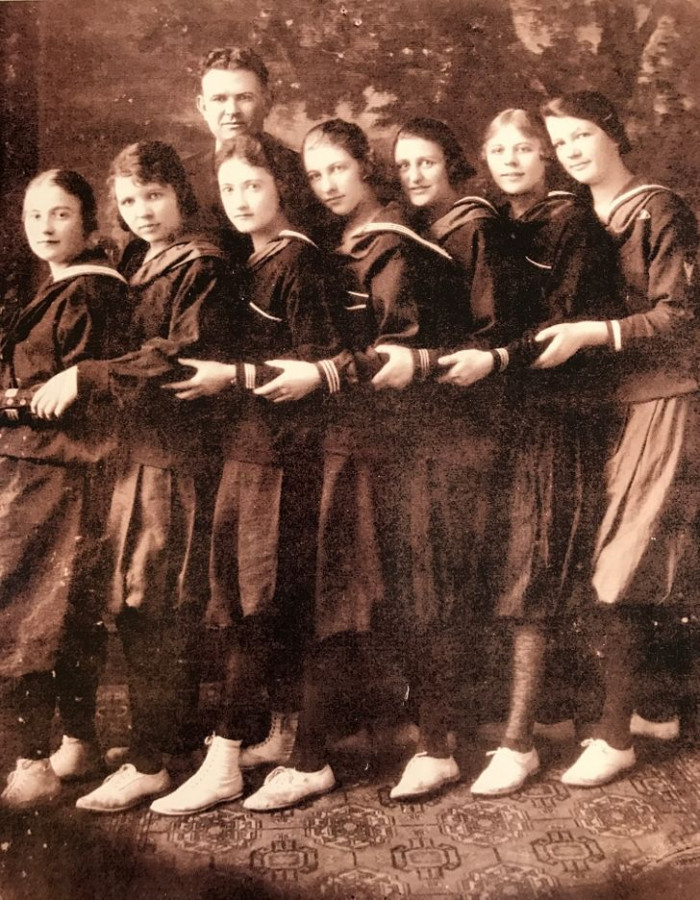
(235, 99)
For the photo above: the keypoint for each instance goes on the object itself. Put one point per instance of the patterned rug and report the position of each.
(637, 838)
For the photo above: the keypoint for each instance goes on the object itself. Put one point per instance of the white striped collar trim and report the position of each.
(263, 313)
(298, 236)
(539, 265)
(632, 193)
(88, 269)
(403, 231)
(474, 198)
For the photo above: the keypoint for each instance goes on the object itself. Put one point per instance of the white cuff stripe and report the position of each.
(329, 369)
(617, 335)
(424, 359)
(505, 357)
(249, 370)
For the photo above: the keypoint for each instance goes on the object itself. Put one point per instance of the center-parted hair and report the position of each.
(72, 183)
(459, 169)
(152, 161)
(528, 122)
(592, 107)
(352, 139)
(235, 58)
(265, 153)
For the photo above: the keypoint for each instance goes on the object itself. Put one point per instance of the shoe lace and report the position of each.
(120, 774)
(280, 772)
(22, 770)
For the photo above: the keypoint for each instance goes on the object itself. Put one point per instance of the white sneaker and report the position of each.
(506, 773)
(424, 774)
(76, 759)
(123, 789)
(31, 783)
(218, 780)
(277, 747)
(598, 764)
(285, 787)
(660, 731)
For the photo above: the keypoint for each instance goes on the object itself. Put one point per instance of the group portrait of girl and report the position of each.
(347, 414)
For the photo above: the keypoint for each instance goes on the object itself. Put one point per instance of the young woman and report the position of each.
(265, 525)
(50, 630)
(366, 604)
(644, 558)
(554, 256)
(456, 446)
(159, 525)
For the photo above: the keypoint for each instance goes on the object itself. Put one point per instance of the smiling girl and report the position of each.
(160, 520)
(50, 631)
(645, 555)
(558, 266)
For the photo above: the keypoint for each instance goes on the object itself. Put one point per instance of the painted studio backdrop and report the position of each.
(81, 78)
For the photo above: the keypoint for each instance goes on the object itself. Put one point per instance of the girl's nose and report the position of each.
(414, 175)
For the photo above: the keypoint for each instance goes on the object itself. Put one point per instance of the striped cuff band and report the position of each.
(329, 371)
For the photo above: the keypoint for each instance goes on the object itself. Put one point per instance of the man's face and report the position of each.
(233, 102)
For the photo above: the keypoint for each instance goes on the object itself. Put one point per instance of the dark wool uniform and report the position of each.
(265, 527)
(399, 289)
(159, 526)
(395, 561)
(646, 549)
(271, 449)
(560, 267)
(47, 539)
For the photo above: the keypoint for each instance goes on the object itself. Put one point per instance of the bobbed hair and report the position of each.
(459, 169)
(352, 139)
(526, 121)
(593, 107)
(152, 161)
(264, 152)
(72, 183)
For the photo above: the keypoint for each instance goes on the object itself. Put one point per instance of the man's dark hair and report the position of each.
(235, 58)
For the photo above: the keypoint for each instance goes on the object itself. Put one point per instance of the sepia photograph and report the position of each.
(349, 449)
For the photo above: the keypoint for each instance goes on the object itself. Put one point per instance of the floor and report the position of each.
(638, 838)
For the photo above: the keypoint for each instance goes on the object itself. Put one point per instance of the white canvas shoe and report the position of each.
(424, 774)
(598, 764)
(506, 773)
(31, 783)
(286, 787)
(277, 747)
(76, 759)
(218, 780)
(124, 789)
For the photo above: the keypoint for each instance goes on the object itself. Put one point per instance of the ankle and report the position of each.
(519, 745)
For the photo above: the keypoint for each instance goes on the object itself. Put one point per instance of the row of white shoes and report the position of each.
(219, 779)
